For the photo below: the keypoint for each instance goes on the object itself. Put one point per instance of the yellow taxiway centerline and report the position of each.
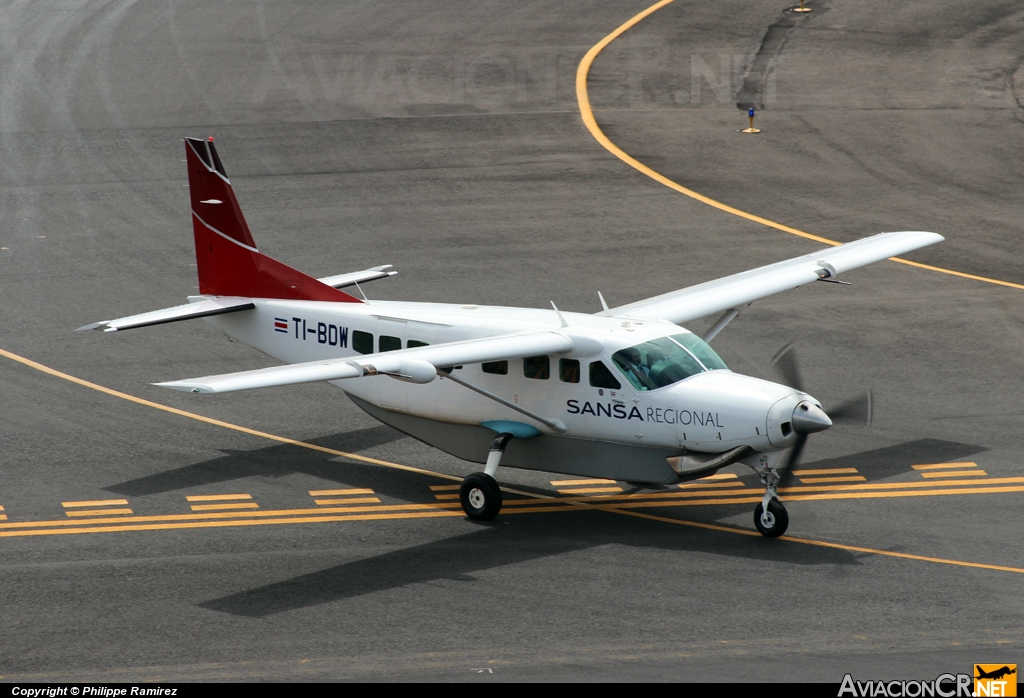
(587, 113)
(21, 528)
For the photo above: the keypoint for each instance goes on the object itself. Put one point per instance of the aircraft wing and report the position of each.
(738, 290)
(417, 365)
(203, 308)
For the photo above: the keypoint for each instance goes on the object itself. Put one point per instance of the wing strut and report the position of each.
(555, 424)
(727, 317)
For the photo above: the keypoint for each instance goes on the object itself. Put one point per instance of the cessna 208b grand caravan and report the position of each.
(625, 394)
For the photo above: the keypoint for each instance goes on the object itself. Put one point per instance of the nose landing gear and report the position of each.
(770, 517)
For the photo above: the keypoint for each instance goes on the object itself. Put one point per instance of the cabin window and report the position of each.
(538, 367)
(416, 343)
(601, 377)
(569, 370)
(498, 368)
(387, 343)
(362, 342)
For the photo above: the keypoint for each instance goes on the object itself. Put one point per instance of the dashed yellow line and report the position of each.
(587, 113)
(98, 512)
(224, 506)
(216, 422)
(353, 500)
(96, 503)
(337, 493)
(214, 497)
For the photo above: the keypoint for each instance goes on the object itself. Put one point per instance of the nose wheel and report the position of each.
(773, 521)
(770, 517)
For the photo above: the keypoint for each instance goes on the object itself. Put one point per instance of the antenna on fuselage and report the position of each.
(559, 314)
(604, 303)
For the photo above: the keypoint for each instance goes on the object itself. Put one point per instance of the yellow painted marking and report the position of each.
(697, 485)
(219, 423)
(220, 524)
(957, 473)
(235, 505)
(306, 519)
(96, 503)
(589, 481)
(353, 500)
(98, 512)
(221, 515)
(819, 543)
(946, 466)
(216, 497)
(721, 476)
(3, 517)
(1, 508)
(446, 496)
(838, 478)
(824, 471)
(444, 488)
(587, 113)
(915, 493)
(591, 490)
(902, 485)
(332, 493)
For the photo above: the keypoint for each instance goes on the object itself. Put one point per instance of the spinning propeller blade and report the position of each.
(857, 410)
(854, 411)
(785, 363)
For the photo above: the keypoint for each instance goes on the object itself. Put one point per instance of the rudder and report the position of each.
(226, 255)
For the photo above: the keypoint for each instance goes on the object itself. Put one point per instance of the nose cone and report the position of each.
(808, 418)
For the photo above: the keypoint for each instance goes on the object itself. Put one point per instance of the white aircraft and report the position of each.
(625, 394)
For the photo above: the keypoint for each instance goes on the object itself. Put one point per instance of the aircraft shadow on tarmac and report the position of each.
(284, 459)
(511, 540)
(890, 461)
(515, 540)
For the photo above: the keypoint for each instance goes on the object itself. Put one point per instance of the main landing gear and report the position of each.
(770, 517)
(480, 494)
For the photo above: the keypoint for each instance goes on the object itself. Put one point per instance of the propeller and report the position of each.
(808, 418)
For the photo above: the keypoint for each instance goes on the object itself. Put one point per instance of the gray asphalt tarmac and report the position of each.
(445, 138)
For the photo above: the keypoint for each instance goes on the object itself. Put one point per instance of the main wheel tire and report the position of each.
(480, 497)
(774, 522)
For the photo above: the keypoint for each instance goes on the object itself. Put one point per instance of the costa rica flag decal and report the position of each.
(280, 325)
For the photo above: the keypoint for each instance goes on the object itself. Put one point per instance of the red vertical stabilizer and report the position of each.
(229, 263)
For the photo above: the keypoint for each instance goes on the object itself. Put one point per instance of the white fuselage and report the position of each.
(710, 412)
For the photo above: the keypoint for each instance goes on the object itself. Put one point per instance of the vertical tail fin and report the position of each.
(229, 263)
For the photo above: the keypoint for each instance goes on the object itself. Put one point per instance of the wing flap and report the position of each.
(396, 363)
(189, 311)
(740, 289)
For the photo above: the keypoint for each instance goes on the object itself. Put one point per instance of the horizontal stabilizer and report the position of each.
(358, 277)
(401, 363)
(203, 308)
(738, 290)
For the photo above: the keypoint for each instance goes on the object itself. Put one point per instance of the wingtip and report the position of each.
(93, 325)
(184, 387)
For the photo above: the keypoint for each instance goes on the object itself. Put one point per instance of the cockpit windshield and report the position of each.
(666, 360)
(701, 349)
